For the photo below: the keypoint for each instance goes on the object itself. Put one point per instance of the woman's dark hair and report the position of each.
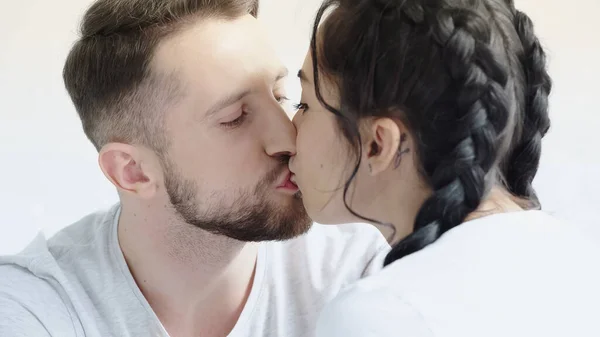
(467, 77)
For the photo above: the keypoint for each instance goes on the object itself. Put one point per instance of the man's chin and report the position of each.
(277, 221)
(293, 222)
(287, 196)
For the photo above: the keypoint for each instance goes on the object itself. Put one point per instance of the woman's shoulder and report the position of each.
(532, 231)
(496, 245)
(498, 267)
(502, 233)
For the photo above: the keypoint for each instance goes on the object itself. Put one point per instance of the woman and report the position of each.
(425, 118)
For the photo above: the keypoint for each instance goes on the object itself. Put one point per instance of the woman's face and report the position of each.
(324, 160)
(387, 185)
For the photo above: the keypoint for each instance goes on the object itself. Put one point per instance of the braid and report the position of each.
(473, 111)
(523, 161)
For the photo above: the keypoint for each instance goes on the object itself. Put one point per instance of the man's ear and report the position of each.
(383, 144)
(130, 168)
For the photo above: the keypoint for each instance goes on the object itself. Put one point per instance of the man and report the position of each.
(183, 99)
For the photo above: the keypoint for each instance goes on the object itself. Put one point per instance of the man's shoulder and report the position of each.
(37, 284)
(85, 230)
(30, 305)
(21, 284)
(32, 277)
(42, 255)
(39, 269)
(349, 248)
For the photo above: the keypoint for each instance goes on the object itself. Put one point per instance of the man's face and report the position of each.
(229, 136)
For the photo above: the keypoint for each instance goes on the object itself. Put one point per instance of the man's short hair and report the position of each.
(107, 74)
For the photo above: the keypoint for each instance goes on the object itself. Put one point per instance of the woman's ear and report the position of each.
(384, 147)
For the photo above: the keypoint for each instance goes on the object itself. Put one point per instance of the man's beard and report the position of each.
(251, 218)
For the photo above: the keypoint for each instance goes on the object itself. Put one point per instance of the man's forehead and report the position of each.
(212, 40)
(218, 52)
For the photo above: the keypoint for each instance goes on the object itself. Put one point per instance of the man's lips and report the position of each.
(287, 183)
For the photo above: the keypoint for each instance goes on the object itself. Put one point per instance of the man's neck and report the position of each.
(196, 282)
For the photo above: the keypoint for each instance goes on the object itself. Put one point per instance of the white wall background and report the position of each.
(48, 172)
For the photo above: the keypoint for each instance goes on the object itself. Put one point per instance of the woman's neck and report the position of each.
(497, 201)
(401, 214)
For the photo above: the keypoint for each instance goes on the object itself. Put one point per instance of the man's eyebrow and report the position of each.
(227, 101)
(302, 76)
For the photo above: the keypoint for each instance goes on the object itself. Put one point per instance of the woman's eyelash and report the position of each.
(301, 106)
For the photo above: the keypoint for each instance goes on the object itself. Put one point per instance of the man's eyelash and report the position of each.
(236, 122)
(282, 99)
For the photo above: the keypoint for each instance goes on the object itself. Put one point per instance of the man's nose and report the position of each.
(280, 137)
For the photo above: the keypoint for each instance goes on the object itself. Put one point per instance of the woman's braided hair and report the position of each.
(460, 75)
(522, 163)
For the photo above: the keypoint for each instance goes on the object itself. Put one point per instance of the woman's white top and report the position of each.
(521, 274)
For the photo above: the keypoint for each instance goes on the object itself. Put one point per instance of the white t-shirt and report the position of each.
(507, 275)
(78, 283)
